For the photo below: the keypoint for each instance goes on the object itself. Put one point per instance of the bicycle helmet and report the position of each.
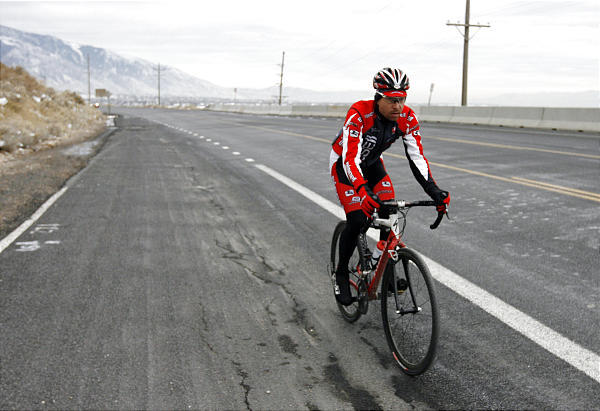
(390, 82)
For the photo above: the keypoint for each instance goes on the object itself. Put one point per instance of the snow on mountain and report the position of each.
(63, 65)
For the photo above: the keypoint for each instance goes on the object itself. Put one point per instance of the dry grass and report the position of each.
(34, 117)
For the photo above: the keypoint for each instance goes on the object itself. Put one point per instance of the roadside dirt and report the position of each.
(30, 177)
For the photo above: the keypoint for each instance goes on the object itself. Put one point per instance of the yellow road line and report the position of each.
(517, 180)
(324, 140)
(573, 190)
(543, 150)
(587, 195)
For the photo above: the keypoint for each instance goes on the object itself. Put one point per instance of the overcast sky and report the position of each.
(531, 46)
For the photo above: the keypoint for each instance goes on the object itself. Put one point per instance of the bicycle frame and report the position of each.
(393, 241)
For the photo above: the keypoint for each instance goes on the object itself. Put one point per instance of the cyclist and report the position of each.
(356, 163)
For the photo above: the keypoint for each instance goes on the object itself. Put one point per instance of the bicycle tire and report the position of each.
(412, 337)
(351, 312)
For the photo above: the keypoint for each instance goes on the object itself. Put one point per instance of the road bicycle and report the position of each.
(408, 303)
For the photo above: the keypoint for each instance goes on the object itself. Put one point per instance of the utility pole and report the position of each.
(89, 89)
(466, 25)
(159, 69)
(430, 93)
(158, 84)
(281, 78)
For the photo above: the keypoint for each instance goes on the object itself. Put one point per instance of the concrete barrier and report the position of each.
(584, 119)
(472, 115)
(578, 119)
(517, 116)
(434, 113)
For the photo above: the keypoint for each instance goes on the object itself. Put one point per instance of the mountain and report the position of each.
(63, 65)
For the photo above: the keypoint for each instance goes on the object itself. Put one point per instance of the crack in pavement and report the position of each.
(243, 374)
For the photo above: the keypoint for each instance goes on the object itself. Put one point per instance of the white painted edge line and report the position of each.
(579, 357)
(6, 241)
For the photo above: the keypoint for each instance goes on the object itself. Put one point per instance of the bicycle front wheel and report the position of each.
(410, 314)
(351, 312)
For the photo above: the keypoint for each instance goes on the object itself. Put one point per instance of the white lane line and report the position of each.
(579, 357)
(225, 147)
(236, 153)
(216, 143)
(250, 160)
(6, 241)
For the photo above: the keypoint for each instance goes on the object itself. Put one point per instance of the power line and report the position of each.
(466, 25)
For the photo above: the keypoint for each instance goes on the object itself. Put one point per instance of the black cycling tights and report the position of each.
(355, 221)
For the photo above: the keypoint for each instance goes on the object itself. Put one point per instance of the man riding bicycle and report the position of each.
(356, 163)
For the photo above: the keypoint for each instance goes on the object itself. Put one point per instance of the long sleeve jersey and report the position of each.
(367, 134)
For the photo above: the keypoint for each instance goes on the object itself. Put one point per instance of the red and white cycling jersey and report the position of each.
(367, 134)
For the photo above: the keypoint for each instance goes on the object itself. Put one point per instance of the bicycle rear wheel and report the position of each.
(351, 312)
(411, 325)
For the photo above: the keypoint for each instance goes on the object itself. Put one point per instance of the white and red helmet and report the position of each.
(389, 82)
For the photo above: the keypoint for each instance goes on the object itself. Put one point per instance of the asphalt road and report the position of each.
(175, 273)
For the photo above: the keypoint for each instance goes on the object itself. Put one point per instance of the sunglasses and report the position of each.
(395, 100)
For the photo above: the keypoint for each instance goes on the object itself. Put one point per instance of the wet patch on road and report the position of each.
(288, 345)
(359, 398)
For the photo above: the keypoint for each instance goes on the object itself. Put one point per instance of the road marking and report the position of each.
(573, 191)
(579, 357)
(45, 228)
(587, 195)
(27, 246)
(515, 180)
(323, 140)
(510, 147)
(6, 241)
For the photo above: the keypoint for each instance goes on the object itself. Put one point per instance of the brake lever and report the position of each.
(438, 220)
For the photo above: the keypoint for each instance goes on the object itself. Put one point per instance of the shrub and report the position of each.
(35, 113)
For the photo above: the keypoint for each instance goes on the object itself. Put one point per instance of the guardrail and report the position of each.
(577, 119)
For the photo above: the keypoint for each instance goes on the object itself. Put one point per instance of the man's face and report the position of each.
(391, 108)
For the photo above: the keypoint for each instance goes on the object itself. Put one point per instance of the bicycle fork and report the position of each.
(399, 309)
